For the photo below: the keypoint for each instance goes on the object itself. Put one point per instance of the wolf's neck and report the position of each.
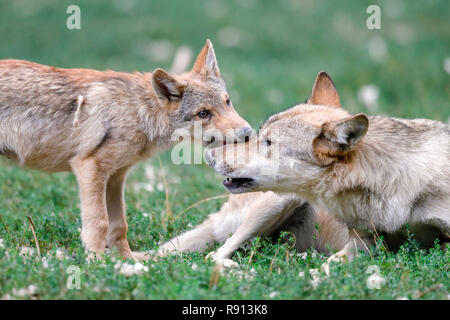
(392, 160)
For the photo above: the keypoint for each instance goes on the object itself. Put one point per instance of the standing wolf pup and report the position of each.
(98, 124)
(371, 172)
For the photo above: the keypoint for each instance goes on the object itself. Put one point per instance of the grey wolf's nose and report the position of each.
(244, 133)
(209, 156)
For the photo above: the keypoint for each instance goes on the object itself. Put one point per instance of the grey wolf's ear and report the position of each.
(206, 62)
(324, 92)
(166, 86)
(338, 138)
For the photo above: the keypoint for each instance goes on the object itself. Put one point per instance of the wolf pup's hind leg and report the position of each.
(118, 226)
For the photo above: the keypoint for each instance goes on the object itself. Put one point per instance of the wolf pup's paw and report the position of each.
(228, 263)
(339, 257)
(211, 255)
(223, 262)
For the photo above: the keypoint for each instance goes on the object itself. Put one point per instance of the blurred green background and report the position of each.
(269, 53)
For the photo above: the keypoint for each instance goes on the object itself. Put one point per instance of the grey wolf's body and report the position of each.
(253, 214)
(376, 178)
(98, 124)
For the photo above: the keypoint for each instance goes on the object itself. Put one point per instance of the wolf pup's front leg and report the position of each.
(92, 179)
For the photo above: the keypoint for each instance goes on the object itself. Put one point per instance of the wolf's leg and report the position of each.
(94, 217)
(118, 227)
(247, 230)
(262, 217)
(358, 240)
(198, 239)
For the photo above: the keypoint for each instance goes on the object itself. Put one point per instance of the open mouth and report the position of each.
(238, 184)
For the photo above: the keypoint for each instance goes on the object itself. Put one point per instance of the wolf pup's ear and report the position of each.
(338, 138)
(206, 62)
(166, 86)
(324, 92)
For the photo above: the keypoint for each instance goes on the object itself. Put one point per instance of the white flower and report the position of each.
(447, 65)
(26, 251)
(368, 95)
(274, 294)
(194, 266)
(375, 281)
(377, 48)
(140, 268)
(302, 255)
(2, 244)
(315, 277)
(160, 186)
(128, 269)
(29, 291)
(60, 254)
(182, 59)
(301, 274)
(44, 262)
(243, 275)
(326, 268)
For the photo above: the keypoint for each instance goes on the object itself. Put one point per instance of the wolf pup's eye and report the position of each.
(228, 102)
(204, 114)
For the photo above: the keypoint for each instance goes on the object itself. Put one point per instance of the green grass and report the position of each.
(282, 48)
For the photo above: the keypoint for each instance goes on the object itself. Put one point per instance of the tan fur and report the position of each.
(98, 124)
(324, 92)
(247, 215)
(375, 174)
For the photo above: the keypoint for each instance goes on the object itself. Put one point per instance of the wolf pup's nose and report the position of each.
(243, 134)
(209, 156)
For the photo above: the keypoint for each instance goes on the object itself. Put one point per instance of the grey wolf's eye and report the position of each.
(228, 102)
(204, 114)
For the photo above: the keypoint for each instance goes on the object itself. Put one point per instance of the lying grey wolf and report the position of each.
(372, 173)
(247, 215)
(98, 124)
